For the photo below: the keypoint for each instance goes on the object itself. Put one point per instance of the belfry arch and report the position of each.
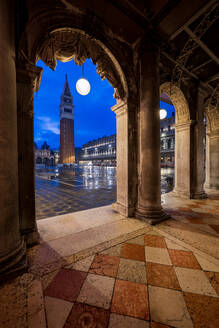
(182, 185)
(65, 44)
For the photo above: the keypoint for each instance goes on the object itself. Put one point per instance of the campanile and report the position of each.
(67, 147)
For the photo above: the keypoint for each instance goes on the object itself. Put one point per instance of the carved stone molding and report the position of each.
(65, 45)
(120, 108)
(212, 115)
(28, 81)
(179, 101)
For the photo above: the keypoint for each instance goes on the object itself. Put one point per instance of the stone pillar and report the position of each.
(212, 150)
(197, 153)
(12, 246)
(28, 81)
(126, 157)
(182, 159)
(149, 192)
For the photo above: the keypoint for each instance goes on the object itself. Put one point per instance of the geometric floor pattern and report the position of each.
(148, 281)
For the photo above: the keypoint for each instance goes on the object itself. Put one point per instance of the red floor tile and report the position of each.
(195, 220)
(214, 280)
(158, 325)
(66, 285)
(162, 276)
(154, 241)
(183, 259)
(203, 310)
(133, 252)
(215, 227)
(130, 299)
(83, 316)
(105, 265)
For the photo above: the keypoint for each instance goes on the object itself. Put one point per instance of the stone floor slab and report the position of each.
(83, 315)
(167, 306)
(213, 277)
(132, 271)
(194, 281)
(207, 265)
(130, 299)
(157, 255)
(57, 311)
(138, 240)
(133, 252)
(183, 259)
(162, 276)
(83, 265)
(66, 285)
(154, 241)
(113, 251)
(121, 321)
(172, 245)
(105, 265)
(203, 310)
(97, 291)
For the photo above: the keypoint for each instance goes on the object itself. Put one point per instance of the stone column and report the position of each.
(182, 159)
(149, 192)
(12, 246)
(126, 157)
(28, 81)
(197, 154)
(212, 150)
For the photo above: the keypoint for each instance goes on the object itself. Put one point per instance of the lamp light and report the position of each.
(83, 85)
(163, 113)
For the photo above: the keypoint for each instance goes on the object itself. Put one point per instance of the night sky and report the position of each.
(93, 116)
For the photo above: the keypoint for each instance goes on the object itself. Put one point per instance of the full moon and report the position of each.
(163, 113)
(83, 87)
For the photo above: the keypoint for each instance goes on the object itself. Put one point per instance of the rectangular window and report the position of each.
(67, 110)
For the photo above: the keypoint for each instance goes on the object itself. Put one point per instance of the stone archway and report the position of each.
(212, 149)
(182, 139)
(65, 44)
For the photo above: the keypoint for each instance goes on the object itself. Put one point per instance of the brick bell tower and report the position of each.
(67, 147)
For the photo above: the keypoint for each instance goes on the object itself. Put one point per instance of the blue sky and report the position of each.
(93, 116)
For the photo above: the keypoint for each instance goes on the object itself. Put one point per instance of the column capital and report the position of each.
(120, 108)
(27, 73)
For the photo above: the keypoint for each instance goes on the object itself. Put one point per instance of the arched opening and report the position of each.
(65, 44)
(85, 176)
(177, 138)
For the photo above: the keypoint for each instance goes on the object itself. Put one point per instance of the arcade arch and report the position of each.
(65, 44)
(182, 185)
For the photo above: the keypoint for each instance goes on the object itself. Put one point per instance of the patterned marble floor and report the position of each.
(151, 277)
(148, 281)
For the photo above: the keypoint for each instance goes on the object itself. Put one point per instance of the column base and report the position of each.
(14, 263)
(199, 195)
(181, 193)
(123, 210)
(31, 237)
(151, 216)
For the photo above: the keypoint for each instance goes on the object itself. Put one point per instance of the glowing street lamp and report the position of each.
(83, 85)
(163, 113)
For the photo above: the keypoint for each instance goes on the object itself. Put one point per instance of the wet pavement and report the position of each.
(60, 191)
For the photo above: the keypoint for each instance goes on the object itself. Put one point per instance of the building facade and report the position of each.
(101, 151)
(67, 148)
(167, 141)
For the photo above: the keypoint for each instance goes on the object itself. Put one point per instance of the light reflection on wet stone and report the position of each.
(60, 191)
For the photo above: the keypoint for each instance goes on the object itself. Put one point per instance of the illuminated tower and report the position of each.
(67, 147)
